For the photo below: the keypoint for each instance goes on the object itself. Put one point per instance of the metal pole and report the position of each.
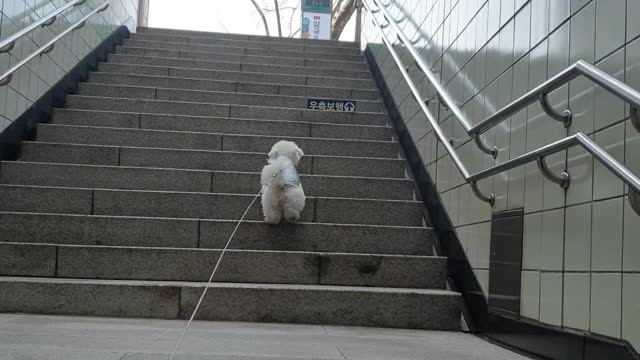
(358, 21)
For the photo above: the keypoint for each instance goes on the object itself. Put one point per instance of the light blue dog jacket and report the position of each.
(290, 176)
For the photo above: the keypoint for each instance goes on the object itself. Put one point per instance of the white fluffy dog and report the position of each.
(283, 196)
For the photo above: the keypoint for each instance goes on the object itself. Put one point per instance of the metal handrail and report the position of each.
(581, 67)
(49, 46)
(7, 44)
(443, 95)
(538, 155)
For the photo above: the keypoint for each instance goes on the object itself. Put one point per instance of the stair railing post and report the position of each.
(357, 38)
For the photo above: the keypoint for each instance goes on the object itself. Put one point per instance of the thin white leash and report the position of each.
(213, 273)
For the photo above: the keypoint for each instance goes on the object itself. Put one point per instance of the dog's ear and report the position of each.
(298, 154)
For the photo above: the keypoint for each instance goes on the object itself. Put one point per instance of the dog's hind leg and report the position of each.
(291, 213)
(272, 213)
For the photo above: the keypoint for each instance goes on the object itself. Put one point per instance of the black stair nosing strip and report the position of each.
(352, 89)
(24, 127)
(240, 63)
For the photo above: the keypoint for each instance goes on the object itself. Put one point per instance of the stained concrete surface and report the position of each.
(38, 337)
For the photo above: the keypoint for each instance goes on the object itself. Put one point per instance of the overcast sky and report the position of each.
(233, 16)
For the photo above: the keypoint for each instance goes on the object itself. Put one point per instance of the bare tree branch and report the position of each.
(281, 8)
(336, 7)
(264, 19)
(275, 3)
(291, 18)
(341, 18)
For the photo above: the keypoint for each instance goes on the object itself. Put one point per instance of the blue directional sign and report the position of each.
(331, 105)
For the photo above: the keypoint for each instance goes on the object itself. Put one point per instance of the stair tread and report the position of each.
(223, 104)
(399, 201)
(257, 286)
(400, 161)
(303, 79)
(84, 87)
(273, 40)
(230, 250)
(266, 58)
(230, 82)
(351, 54)
(232, 36)
(172, 232)
(122, 59)
(151, 168)
(137, 117)
(300, 224)
(238, 135)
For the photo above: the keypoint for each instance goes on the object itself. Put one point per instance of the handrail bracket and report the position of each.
(49, 22)
(48, 49)
(491, 198)
(634, 113)
(7, 79)
(490, 150)
(8, 47)
(566, 116)
(564, 179)
(634, 200)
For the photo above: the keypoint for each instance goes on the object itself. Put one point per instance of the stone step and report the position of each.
(203, 159)
(242, 58)
(240, 266)
(252, 44)
(202, 233)
(209, 97)
(307, 304)
(245, 76)
(341, 54)
(222, 110)
(230, 36)
(81, 201)
(231, 86)
(223, 125)
(90, 135)
(137, 178)
(273, 68)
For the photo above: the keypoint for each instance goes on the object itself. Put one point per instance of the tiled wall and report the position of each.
(581, 256)
(33, 80)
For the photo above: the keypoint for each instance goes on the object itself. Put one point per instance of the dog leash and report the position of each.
(215, 269)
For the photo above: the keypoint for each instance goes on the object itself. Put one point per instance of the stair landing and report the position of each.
(59, 337)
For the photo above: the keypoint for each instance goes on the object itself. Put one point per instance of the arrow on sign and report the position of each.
(349, 106)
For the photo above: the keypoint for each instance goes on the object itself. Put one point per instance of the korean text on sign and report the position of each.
(331, 105)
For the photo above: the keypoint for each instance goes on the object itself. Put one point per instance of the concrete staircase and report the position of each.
(121, 205)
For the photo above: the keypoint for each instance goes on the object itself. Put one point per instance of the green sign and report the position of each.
(323, 6)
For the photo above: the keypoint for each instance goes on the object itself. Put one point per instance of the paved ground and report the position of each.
(32, 337)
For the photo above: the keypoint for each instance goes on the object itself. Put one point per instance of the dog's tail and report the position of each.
(280, 172)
